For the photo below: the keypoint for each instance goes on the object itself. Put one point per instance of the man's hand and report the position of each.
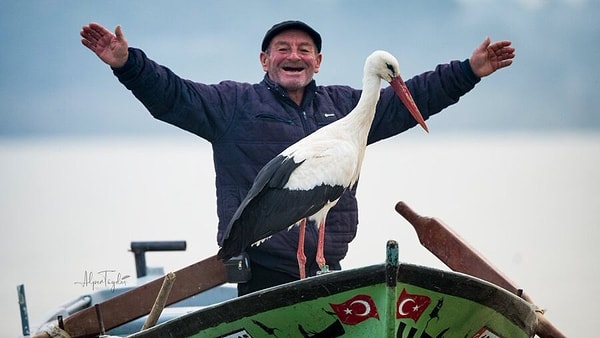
(110, 48)
(489, 57)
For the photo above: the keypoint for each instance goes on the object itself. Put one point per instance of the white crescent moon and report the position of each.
(401, 306)
(365, 304)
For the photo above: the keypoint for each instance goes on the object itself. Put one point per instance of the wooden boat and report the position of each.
(386, 300)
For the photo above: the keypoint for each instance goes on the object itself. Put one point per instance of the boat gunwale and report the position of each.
(515, 309)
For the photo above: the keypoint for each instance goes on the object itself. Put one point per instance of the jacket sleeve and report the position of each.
(195, 107)
(432, 92)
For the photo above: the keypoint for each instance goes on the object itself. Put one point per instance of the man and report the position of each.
(249, 124)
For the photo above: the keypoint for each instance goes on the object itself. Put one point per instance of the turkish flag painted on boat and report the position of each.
(356, 309)
(411, 306)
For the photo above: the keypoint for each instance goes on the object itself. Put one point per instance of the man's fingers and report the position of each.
(119, 33)
(86, 43)
(90, 34)
(486, 42)
(503, 64)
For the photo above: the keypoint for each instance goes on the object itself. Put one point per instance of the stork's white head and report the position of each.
(382, 64)
(385, 66)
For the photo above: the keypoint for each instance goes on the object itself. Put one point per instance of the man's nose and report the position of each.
(294, 55)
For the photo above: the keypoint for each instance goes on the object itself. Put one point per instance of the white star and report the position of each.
(348, 311)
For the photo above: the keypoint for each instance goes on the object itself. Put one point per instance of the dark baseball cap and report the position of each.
(287, 25)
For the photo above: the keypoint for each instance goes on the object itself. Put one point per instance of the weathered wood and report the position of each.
(135, 303)
(458, 255)
(161, 301)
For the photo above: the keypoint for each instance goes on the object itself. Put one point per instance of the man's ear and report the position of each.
(319, 58)
(263, 57)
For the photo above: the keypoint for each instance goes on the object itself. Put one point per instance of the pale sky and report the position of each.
(52, 85)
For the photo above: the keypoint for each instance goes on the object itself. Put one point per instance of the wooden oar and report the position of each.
(135, 303)
(458, 255)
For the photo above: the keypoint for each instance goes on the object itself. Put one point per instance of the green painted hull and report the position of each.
(420, 302)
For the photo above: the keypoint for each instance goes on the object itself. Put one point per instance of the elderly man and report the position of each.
(249, 124)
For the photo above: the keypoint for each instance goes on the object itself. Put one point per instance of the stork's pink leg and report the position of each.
(320, 247)
(300, 252)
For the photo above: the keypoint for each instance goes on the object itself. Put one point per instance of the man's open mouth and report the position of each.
(293, 69)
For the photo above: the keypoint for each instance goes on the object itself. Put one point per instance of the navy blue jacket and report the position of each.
(249, 124)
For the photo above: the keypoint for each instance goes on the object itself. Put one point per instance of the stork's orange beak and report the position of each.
(402, 91)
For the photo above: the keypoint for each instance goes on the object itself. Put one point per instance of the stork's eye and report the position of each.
(391, 68)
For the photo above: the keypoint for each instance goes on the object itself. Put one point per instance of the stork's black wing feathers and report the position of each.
(274, 174)
(269, 207)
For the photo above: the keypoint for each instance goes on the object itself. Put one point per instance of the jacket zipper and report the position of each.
(303, 116)
(305, 122)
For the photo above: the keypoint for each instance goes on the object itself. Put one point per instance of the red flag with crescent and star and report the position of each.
(411, 306)
(356, 309)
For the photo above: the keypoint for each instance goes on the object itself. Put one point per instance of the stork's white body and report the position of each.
(333, 155)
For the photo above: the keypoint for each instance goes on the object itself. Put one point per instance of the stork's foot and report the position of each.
(324, 270)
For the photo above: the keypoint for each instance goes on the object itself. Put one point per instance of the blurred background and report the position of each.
(513, 167)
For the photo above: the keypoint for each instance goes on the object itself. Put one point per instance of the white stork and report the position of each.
(307, 179)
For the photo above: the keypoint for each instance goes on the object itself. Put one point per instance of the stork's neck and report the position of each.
(361, 117)
(370, 93)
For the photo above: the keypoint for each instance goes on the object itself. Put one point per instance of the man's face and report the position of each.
(291, 60)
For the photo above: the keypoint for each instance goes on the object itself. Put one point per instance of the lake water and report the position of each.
(529, 203)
